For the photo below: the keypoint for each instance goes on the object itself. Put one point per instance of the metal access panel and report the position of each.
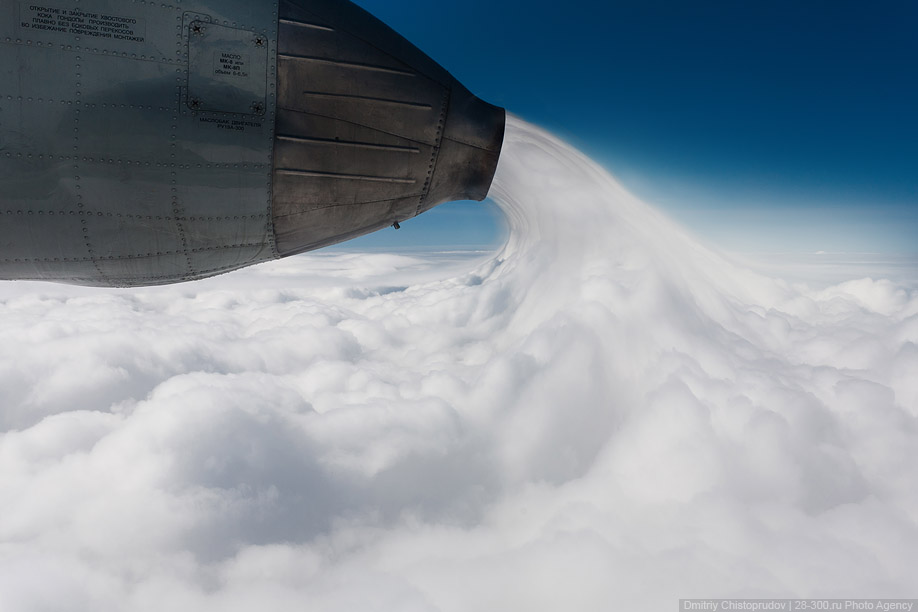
(227, 69)
(107, 175)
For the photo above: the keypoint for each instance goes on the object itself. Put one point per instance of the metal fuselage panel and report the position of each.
(136, 139)
(146, 143)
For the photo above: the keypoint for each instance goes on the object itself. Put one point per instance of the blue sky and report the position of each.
(763, 127)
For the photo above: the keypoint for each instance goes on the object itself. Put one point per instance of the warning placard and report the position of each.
(78, 22)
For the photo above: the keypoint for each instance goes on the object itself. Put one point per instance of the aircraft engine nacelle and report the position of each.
(146, 143)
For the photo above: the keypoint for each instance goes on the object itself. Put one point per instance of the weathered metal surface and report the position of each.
(138, 142)
(370, 131)
(108, 176)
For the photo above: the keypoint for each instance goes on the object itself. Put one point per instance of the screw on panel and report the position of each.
(260, 41)
(197, 29)
(258, 108)
(194, 103)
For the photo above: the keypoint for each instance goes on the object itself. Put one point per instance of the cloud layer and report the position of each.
(602, 413)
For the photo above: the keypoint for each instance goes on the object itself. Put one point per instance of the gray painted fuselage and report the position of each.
(146, 143)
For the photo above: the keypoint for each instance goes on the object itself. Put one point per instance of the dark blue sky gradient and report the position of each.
(766, 126)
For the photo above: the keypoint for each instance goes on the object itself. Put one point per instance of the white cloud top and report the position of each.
(603, 414)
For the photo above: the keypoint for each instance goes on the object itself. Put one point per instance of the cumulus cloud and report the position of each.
(603, 413)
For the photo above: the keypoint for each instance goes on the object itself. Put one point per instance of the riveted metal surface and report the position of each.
(151, 142)
(107, 175)
(370, 131)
